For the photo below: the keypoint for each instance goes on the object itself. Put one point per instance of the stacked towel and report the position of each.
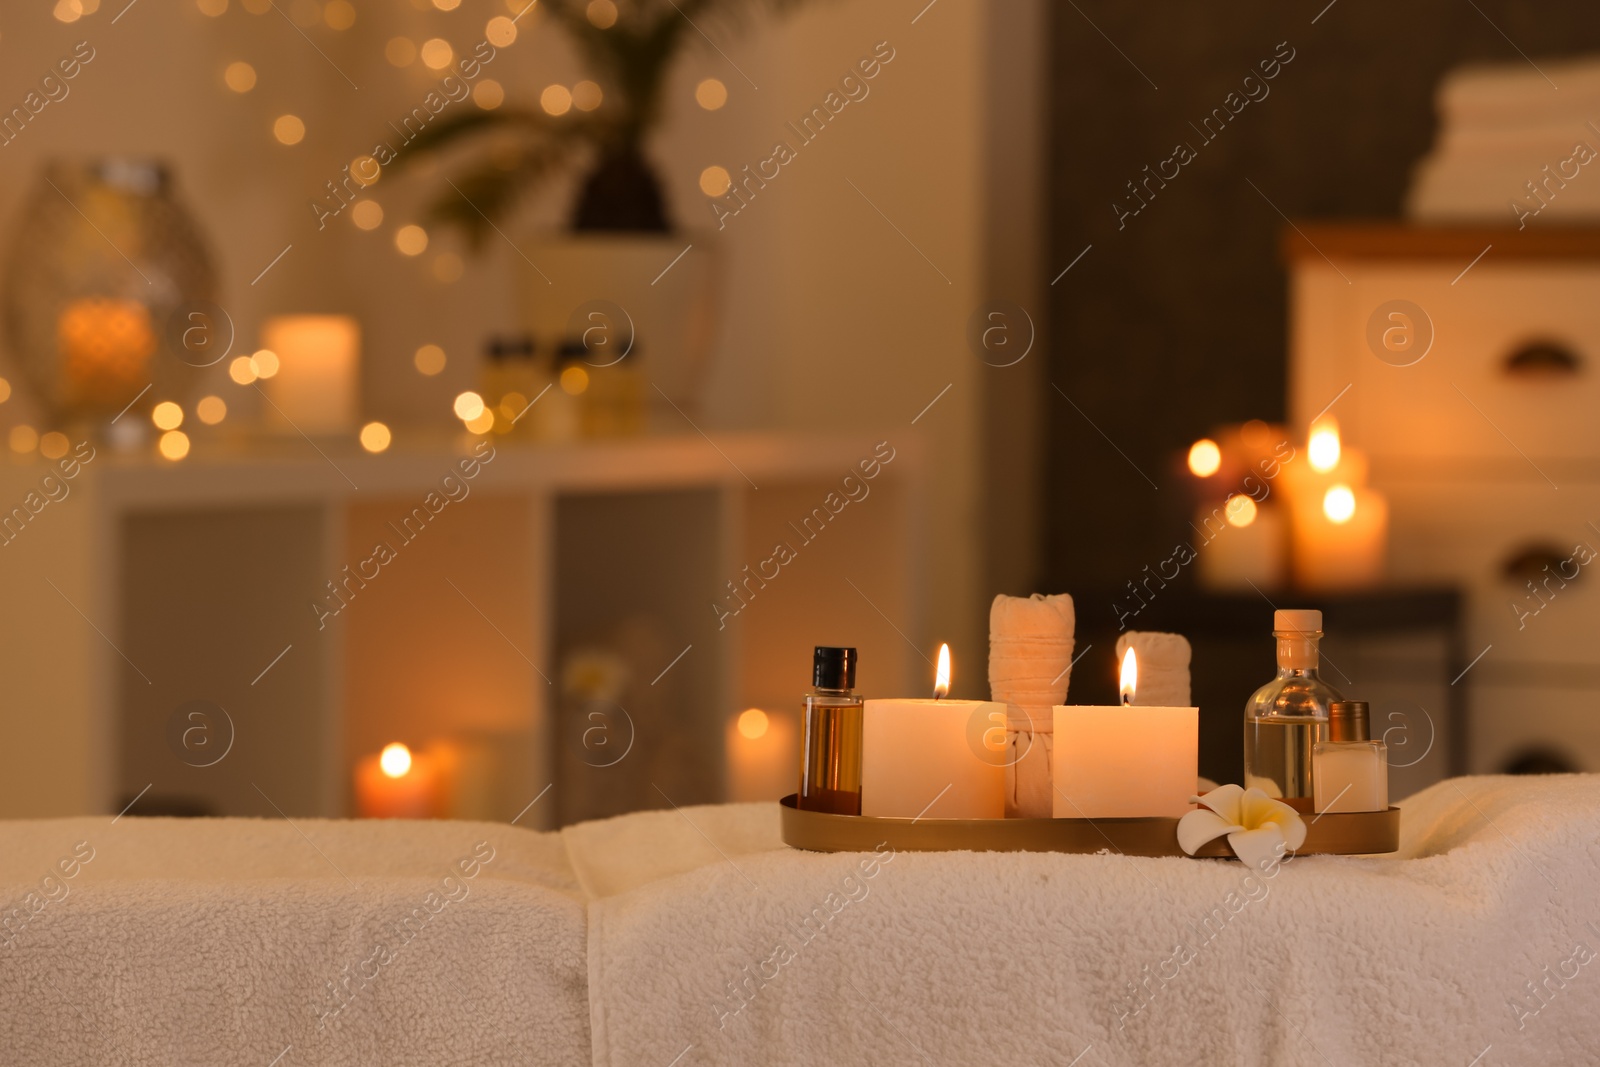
(1163, 668)
(1030, 665)
(1500, 127)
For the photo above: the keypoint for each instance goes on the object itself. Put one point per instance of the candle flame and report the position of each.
(941, 677)
(1205, 457)
(1339, 504)
(1130, 675)
(395, 760)
(1323, 448)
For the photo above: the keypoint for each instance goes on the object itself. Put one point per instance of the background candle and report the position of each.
(1340, 540)
(395, 784)
(1242, 544)
(315, 388)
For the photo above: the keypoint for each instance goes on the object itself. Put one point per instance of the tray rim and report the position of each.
(1331, 833)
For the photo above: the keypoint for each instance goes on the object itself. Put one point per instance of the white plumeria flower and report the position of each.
(1259, 828)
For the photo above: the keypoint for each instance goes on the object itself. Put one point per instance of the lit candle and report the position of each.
(1340, 538)
(318, 378)
(105, 346)
(397, 785)
(936, 759)
(763, 751)
(1128, 761)
(1241, 544)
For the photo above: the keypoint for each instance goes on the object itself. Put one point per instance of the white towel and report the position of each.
(1163, 663)
(222, 941)
(780, 957)
(1030, 666)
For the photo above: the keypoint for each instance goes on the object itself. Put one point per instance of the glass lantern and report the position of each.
(106, 276)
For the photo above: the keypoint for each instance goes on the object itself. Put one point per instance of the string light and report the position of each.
(574, 380)
(339, 14)
(488, 94)
(242, 370)
(411, 240)
(586, 95)
(211, 410)
(429, 360)
(437, 53)
(602, 13)
(468, 406)
(167, 415)
(174, 445)
(240, 76)
(555, 100)
(288, 129)
(54, 445)
(367, 214)
(715, 180)
(400, 51)
(375, 437)
(500, 31)
(711, 94)
(23, 438)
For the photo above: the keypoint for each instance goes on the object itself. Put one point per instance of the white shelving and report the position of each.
(149, 584)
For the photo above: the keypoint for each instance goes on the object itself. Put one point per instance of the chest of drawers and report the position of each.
(1466, 363)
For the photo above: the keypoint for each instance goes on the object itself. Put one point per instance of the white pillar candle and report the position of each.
(315, 389)
(1340, 539)
(1242, 543)
(1128, 761)
(937, 759)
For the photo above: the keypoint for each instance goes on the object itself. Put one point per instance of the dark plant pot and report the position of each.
(623, 194)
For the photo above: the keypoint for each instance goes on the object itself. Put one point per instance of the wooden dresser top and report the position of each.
(1403, 241)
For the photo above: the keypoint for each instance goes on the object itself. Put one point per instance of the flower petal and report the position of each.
(1258, 810)
(1224, 800)
(1200, 826)
(1259, 847)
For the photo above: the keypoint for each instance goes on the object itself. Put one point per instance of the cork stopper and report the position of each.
(1347, 721)
(1298, 630)
(1304, 620)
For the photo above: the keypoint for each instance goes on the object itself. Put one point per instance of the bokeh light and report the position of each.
(288, 129)
(711, 94)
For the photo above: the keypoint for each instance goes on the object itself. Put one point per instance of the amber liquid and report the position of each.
(830, 754)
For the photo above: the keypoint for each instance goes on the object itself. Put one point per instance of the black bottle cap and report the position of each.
(833, 668)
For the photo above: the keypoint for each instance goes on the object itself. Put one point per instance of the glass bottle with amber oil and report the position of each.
(830, 750)
(1287, 717)
(1351, 769)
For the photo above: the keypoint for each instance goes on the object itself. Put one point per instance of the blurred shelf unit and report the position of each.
(1466, 362)
(251, 577)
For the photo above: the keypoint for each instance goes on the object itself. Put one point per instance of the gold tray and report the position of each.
(1334, 833)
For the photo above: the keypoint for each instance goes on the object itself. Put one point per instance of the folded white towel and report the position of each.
(1030, 667)
(1163, 663)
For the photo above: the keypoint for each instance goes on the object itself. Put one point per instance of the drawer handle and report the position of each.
(1544, 359)
(1534, 563)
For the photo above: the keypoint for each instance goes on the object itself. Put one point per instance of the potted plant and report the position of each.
(622, 235)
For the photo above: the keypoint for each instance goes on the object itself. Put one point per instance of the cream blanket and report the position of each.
(708, 942)
(240, 941)
(1477, 936)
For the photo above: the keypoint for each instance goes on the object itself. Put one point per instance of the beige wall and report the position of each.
(831, 316)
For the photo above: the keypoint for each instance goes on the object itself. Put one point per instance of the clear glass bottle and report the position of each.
(1286, 718)
(830, 750)
(1350, 770)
